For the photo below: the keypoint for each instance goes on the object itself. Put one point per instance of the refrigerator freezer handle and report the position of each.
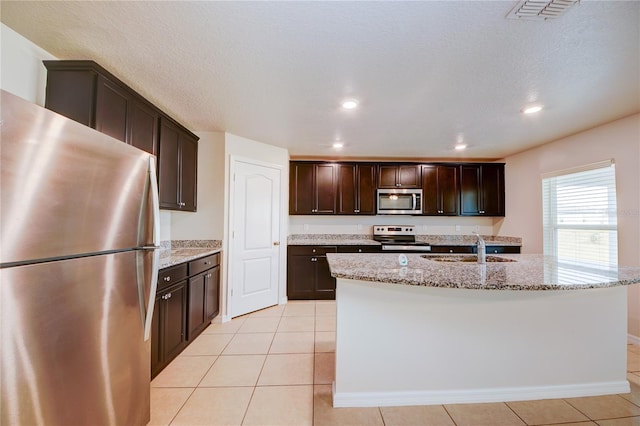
(150, 305)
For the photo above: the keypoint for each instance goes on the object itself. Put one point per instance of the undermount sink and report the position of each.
(464, 258)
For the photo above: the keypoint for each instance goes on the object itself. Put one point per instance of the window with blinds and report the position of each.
(579, 217)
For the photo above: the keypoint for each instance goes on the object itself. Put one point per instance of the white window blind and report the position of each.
(580, 217)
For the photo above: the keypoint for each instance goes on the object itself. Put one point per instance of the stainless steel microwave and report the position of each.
(399, 201)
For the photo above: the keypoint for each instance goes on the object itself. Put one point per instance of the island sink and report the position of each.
(464, 258)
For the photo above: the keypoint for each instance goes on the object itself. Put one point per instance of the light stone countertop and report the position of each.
(366, 240)
(180, 251)
(528, 272)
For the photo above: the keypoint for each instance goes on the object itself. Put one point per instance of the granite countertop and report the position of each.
(180, 251)
(175, 256)
(524, 272)
(364, 240)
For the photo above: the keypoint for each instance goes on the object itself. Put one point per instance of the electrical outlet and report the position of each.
(305, 226)
(359, 227)
(457, 228)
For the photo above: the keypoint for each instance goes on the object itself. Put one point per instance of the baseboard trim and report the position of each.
(634, 340)
(388, 399)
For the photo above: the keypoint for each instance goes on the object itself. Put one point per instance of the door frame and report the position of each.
(284, 201)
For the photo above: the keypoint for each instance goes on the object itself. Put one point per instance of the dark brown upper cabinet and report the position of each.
(482, 189)
(440, 190)
(399, 176)
(312, 188)
(178, 168)
(356, 189)
(87, 93)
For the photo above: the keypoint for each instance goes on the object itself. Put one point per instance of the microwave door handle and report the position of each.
(415, 201)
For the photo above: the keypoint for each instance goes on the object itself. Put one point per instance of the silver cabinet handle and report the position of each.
(314, 259)
(450, 251)
(167, 279)
(206, 263)
(276, 243)
(314, 250)
(359, 250)
(209, 276)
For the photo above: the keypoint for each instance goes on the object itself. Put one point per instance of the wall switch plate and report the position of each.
(457, 228)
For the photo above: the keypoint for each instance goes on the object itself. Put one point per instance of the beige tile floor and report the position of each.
(275, 367)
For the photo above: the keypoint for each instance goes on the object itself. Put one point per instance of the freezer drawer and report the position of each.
(72, 342)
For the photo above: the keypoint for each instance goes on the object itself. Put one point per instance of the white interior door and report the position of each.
(255, 237)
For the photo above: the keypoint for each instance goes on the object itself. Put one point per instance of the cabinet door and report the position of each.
(492, 190)
(196, 304)
(174, 337)
(470, 190)
(301, 197)
(347, 189)
(325, 284)
(366, 189)
(211, 293)
(409, 176)
(448, 190)
(387, 176)
(325, 188)
(143, 127)
(301, 277)
(169, 166)
(112, 109)
(71, 93)
(430, 199)
(189, 172)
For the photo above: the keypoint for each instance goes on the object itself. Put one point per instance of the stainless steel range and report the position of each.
(398, 238)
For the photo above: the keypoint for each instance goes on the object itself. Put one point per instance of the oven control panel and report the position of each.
(389, 230)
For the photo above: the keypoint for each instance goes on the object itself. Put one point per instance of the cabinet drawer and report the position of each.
(453, 249)
(311, 250)
(503, 249)
(171, 275)
(204, 263)
(359, 249)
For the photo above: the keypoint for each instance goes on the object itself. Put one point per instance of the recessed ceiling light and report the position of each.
(460, 147)
(532, 109)
(338, 145)
(350, 104)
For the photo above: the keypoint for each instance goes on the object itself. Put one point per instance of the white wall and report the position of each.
(208, 222)
(619, 140)
(21, 69)
(236, 146)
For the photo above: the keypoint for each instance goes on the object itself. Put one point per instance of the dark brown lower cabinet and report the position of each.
(203, 300)
(308, 275)
(169, 326)
(186, 302)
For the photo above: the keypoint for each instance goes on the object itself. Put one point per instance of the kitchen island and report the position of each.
(444, 330)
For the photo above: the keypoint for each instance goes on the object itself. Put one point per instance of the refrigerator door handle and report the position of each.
(156, 254)
(155, 199)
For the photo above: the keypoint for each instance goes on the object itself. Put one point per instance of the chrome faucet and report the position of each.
(481, 249)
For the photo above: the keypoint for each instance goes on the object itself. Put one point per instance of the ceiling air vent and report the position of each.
(540, 10)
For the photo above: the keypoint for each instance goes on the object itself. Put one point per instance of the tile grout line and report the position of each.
(181, 407)
(449, 414)
(514, 412)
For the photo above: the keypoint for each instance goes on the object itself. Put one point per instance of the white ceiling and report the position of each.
(426, 73)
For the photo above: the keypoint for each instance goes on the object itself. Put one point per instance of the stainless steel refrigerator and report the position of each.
(78, 268)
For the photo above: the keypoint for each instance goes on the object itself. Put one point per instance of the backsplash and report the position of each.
(424, 225)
